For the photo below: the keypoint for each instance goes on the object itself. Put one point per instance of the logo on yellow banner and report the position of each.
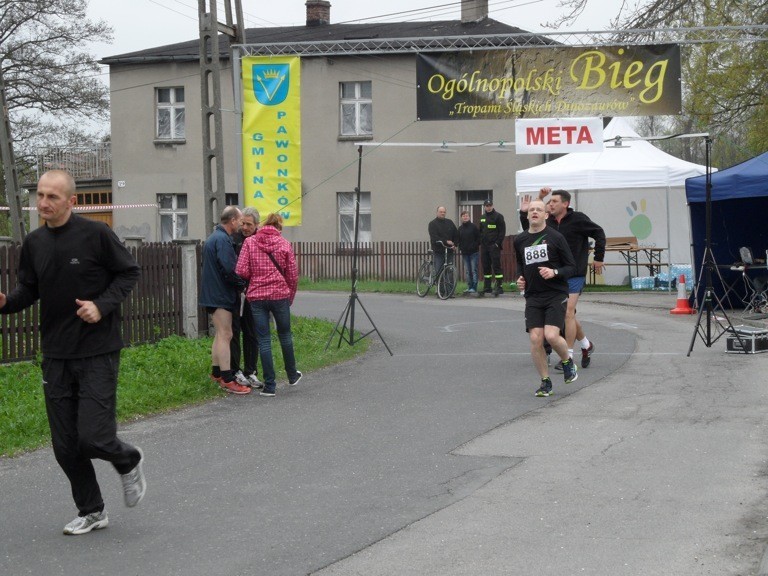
(271, 83)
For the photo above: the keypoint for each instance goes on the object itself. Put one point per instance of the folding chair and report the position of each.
(756, 299)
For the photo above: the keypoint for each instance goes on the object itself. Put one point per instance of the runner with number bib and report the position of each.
(544, 264)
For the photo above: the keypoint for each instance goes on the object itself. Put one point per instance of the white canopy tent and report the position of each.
(631, 190)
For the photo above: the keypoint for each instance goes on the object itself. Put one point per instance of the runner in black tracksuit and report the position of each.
(81, 273)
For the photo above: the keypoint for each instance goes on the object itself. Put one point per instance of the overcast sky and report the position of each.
(140, 24)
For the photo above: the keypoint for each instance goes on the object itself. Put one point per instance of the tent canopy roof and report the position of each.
(637, 164)
(746, 180)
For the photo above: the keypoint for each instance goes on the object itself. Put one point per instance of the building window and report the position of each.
(346, 205)
(98, 198)
(169, 121)
(356, 109)
(472, 202)
(173, 216)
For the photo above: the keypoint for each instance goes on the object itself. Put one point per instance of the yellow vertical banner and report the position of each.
(272, 136)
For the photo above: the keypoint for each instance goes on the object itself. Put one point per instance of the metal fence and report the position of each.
(152, 311)
(92, 162)
(376, 261)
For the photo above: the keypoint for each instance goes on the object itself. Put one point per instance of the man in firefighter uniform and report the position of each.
(492, 232)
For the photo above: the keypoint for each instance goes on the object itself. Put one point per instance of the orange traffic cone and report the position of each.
(682, 300)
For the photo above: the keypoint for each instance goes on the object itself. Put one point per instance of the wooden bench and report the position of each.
(630, 249)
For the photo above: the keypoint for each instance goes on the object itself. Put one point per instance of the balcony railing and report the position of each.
(93, 162)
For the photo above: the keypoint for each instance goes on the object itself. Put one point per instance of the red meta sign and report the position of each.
(558, 136)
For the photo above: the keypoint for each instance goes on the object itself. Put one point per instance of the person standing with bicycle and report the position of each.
(442, 229)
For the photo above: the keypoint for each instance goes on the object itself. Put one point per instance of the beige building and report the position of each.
(362, 91)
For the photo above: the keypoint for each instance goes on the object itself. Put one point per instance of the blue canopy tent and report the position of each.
(739, 218)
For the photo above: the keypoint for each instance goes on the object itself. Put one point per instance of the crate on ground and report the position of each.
(750, 340)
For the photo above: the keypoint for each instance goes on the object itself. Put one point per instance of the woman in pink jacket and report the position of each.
(267, 262)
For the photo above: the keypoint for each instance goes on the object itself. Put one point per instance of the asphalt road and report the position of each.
(417, 463)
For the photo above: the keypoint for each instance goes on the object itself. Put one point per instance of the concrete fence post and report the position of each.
(189, 273)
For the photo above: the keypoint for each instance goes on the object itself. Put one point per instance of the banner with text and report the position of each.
(549, 82)
(558, 135)
(272, 136)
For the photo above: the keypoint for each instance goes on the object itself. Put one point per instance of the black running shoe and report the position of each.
(569, 371)
(546, 387)
(586, 353)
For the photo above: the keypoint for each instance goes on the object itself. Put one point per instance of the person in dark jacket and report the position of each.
(577, 229)
(442, 229)
(492, 232)
(469, 245)
(81, 273)
(544, 264)
(219, 289)
(242, 319)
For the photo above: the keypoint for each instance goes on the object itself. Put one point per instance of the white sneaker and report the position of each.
(241, 379)
(254, 382)
(134, 483)
(84, 524)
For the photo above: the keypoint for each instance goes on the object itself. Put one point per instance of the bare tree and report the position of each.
(52, 82)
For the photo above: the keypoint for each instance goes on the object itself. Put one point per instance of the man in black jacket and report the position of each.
(242, 319)
(492, 232)
(442, 229)
(577, 229)
(81, 273)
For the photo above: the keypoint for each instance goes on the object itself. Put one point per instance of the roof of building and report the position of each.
(357, 34)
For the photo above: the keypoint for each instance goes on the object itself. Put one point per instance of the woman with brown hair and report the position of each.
(267, 262)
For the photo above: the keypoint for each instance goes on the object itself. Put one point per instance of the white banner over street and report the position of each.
(558, 135)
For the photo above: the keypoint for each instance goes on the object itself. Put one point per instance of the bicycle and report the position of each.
(445, 279)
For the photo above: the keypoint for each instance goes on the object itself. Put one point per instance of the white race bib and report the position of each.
(536, 254)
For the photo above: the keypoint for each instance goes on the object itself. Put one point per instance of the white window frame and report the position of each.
(175, 217)
(353, 107)
(175, 108)
(345, 208)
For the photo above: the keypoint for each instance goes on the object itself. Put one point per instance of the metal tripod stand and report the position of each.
(711, 305)
(347, 332)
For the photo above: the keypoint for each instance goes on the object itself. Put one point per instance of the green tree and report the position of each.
(725, 78)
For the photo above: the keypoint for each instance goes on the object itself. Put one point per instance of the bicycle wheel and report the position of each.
(424, 278)
(446, 282)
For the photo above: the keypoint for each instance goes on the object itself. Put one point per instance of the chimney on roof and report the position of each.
(318, 12)
(472, 10)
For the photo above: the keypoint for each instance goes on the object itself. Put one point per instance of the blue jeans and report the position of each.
(281, 312)
(470, 268)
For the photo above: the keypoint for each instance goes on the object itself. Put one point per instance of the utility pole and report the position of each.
(18, 231)
(210, 86)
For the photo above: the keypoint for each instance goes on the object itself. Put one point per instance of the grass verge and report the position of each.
(154, 378)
